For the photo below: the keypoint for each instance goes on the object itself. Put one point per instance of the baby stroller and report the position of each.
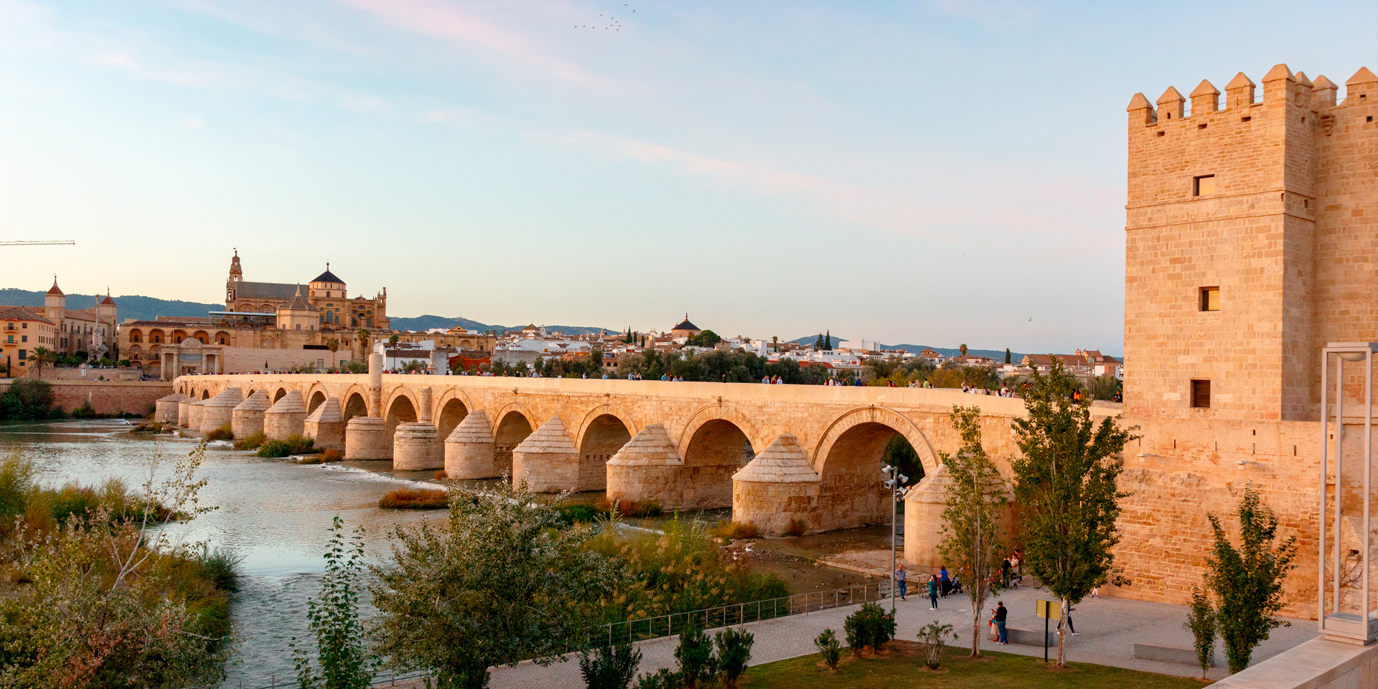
(956, 586)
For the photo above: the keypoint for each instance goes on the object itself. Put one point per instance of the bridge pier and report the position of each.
(219, 410)
(165, 409)
(286, 418)
(416, 444)
(470, 451)
(247, 418)
(547, 461)
(194, 410)
(647, 468)
(776, 488)
(366, 437)
(326, 426)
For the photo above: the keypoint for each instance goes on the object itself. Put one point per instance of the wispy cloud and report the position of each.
(466, 28)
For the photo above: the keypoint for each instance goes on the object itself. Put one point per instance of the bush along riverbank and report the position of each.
(93, 593)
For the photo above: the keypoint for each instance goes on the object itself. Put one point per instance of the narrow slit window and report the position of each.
(1210, 298)
(1201, 394)
(1203, 185)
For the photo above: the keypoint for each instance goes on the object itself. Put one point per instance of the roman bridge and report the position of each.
(776, 454)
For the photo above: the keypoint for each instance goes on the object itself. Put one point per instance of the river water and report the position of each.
(276, 516)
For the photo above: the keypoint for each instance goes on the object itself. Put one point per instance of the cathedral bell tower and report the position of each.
(235, 275)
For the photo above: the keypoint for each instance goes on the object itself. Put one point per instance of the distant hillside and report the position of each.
(130, 306)
(428, 322)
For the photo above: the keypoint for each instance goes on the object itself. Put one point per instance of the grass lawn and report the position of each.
(902, 666)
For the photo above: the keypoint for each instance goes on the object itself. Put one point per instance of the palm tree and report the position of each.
(40, 355)
(363, 336)
(332, 344)
(393, 338)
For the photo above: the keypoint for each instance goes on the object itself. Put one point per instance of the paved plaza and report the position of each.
(1108, 627)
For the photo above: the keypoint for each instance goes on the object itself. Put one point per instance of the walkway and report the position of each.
(1109, 629)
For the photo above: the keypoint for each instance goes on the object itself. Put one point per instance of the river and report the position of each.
(276, 516)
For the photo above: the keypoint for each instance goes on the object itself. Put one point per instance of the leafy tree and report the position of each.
(695, 656)
(1247, 582)
(734, 652)
(609, 665)
(976, 500)
(1065, 482)
(496, 583)
(818, 344)
(333, 616)
(1105, 387)
(899, 453)
(933, 637)
(413, 366)
(707, 338)
(963, 349)
(1007, 355)
(830, 648)
(1201, 622)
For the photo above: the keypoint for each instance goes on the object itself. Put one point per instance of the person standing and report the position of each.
(902, 579)
(1070, 626)
(932, 592)
(944, 581)
(1001, 614)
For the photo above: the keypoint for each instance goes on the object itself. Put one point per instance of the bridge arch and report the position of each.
(315, 397)
(721, 412)
(356, 403)
(450, 409)
(281, 392)
(511, 425)
(401, 407)
(717, 442)
(848, 460)
(602, 432)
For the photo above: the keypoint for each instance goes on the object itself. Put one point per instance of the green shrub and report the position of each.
(870, 626)
(695, 656)
(85, 411)
(220, 567)
(734, 652)
(151, 428)
(661, 679)
(934, 637)
(28, 400)
(643, 509)
(222, 433)
(608, 665)
(828, 645)
(294, 445)
(579, 513)
(252, 442)
(16, 482)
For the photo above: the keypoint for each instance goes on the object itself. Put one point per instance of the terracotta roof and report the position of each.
(107, 301)
(297, 303)
(19, 313)
(54, 291)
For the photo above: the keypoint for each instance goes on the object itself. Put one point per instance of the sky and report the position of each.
(935, 172)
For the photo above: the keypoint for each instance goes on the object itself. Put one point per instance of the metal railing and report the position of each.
(668, 625)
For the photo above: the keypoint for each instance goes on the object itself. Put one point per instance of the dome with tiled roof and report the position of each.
(686, 325)
(328, 276)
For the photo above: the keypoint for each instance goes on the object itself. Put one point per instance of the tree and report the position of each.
(1065, 482)
(1007, 355)
(976, 500)
(332, 344)
(695, 656)
(830, 648)
(963, 349)
(1201, 622)
(828, 341)
(818, 344)
(609, 665)
(333, 616)
(1247, 582)
(734, 652)
(38, 356)
(707, 338)
(497, 582)
(393, 339)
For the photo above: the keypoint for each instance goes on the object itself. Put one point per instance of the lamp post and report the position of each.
(894, 483)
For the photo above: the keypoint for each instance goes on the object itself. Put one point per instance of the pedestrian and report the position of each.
(1095, 592)
(902, 579)
(932, 592)
(1001, 614)
(1005, 572)
(1070, 627)
(944, 581)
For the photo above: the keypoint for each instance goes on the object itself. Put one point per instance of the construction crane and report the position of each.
(54, 242)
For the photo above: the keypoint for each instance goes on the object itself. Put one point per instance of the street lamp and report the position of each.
(894, 483)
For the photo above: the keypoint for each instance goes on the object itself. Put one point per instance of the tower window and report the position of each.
(1203, 185)
(1201, 394)
(1210, 298)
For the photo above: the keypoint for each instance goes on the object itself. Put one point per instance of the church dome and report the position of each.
(328, 277)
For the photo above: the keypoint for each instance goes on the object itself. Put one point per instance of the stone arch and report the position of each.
(848, 459)
(603, 433)
(721, 412)
(356, 404)
(206, 394)
(511, 426)
(201, 336)
(279, 394)
(713, 450)
(402, 408)
(450, 411)
(222, 338)
(135, 335)
(317, 398)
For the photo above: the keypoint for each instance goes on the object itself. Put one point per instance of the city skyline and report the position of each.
(930, 173)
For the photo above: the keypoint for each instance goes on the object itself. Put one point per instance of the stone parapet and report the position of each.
(776, 488)
(366, 437)
(219, 410)
(469, 451)
(414, 447)
(547, 461)
(165, 409)
(326, 425)
(286, 418)
(247, 418)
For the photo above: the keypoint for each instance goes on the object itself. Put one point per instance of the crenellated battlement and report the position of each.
(1280, 87)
